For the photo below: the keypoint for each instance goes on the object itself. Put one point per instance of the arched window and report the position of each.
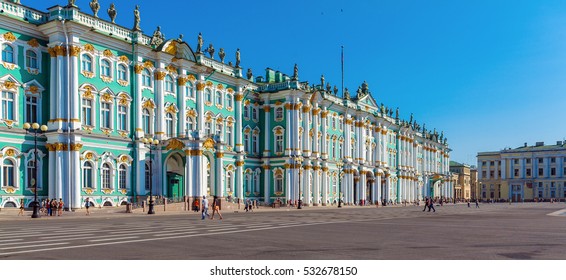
(86, 62)
(169, 125)
(8, 173)
(208, 128)
(31, 174)
(122, 72)
(31, 108)
(218, 98)
(169, 85)
(105, 173)
(105, 68)
(87, 175)
(229, 136)
(31, 59)
(279, 183)
(229, 101)
(256, 182)
(279, 143)
(255, 144)
(246, 112)
(147, 175)
(8, 54)
(189, 91)
(122, 176)
(146, 78)
(208, 96)
(254, 114)
(247, 142)
(229, 182)
(248, 183)
(146, 118)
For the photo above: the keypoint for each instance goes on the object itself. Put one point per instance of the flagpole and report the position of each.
(342, 71)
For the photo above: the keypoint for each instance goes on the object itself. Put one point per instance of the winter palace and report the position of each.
(125, 112)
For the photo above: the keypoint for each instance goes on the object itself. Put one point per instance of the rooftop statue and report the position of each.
(335, 90)
(210, 50)
(411, 120)
(180, 39)
(221, 54)
(328, 87)
(157, 38)
(397, 113)
(200, 42)
(112, 13)
(295, 72)
(72, 3)
(321, 81)
(238, 58)
(365, 88)
(94, 6)
(346, 94)
(249, 75)
(137, 19)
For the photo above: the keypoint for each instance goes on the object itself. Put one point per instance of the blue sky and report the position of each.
(490, 74)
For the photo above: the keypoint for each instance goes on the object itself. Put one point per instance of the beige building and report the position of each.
(526, 173)
(474, 183)
(462, 184)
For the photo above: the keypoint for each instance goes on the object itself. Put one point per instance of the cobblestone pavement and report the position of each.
(494, 231)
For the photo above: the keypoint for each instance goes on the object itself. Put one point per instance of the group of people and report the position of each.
(429, 203)
(215, 207)
(52, 207)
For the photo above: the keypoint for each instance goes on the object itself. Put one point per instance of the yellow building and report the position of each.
(462, 185)
(527, 173)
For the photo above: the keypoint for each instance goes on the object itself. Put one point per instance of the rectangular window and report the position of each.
(229, 136)
(528, 172)
(31, 109)
(528, 161)
(552, 160)
(483, 163)
(122, 119)
(516, 173)
(7, 105)
(483, 174)
(105, 115)
(279, 143)
(87, 112)
(516, 161)
(540, 160)
(255, 144)
(552, 171)
(540, 171)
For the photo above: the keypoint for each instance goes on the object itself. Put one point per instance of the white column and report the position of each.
(76, 178)
(324, 151)
(316, 185)
(238, 110)
(325, 185)
(200, 112)
(240, 178)
(159, 104)
(379, 195)
(315, 149)
(362, 186)
(219, 173)
(52, 173)
(267, 182)
(189, 175)
(267, 129)
(138, 110)
(182, 98)
(306, 131)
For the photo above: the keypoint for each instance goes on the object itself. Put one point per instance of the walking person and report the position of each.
(54, 206)
(47, 207)
(468, 203)
(204, 207)
(87, 205)
(431, 206)
(21, 207)
(216, 207)
(427, 201)
(477, 203)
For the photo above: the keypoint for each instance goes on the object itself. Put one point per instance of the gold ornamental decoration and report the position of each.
(107, 53)
(124, 59)
(148, 64)
(76, 146)
(75, 50)
(9, 36)
(181, 81)
(239, 97)
(88, 93)
(230, 90)
(9, 85)
(191, 78)
(171, 69)
(123, 100)
(148, 105)
(191, 113)
(106, 97)
(220, 87)
(60, 50)
(88, 48)
(10, 152)
(209, 84)
(138, 68)
(159, 75)
(52, 52)
(171, 109)
(208, 143)
(175, 144)
(33, 89)
(200, 86)
(33, 43)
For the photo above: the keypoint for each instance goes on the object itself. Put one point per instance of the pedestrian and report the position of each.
(431, 206)
(216, 207)
(204, 207)
(427, 201)
(477, 203)
(247, 205)
(60, 206)
(47, 207)
(54, 206)
(468, 203)
(87, 205)
(196, 205)
(21, 207)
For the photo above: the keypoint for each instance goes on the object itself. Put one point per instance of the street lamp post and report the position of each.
(299, 161)
(339, 164)
(35, 128)
(152, 144)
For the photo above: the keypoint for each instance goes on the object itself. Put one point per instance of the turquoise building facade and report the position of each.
(102, 88)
